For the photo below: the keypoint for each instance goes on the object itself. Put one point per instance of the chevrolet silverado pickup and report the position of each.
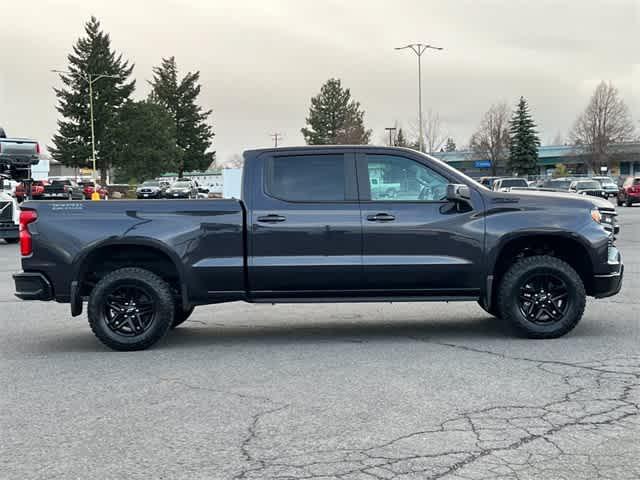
(309, 227)
(17, 155)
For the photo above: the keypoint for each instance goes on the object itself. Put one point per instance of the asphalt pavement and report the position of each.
(372, 391)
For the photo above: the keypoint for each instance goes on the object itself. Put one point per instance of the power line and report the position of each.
(391, 130)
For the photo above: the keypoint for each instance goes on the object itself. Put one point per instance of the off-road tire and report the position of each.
(180, 316)
(163, 301)
(509, 294)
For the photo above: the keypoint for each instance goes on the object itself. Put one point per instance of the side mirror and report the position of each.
(458, 193)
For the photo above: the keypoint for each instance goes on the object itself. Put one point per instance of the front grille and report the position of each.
(6, 211)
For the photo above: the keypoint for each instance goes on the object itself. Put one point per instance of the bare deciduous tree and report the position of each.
(235, 161)
(606, 120)
(491, 140)
(434, 133)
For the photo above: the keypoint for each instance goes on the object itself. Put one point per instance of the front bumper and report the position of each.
(32, 286)
(609, 284)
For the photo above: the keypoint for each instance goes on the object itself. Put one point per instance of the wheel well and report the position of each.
(571, 251)
(112, 257)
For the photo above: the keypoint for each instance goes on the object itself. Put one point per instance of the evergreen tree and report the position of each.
(335, 118)
(92, 57)
(401, 140)
(450, 146)
(192, 132)
(148, 141)
(524, 141)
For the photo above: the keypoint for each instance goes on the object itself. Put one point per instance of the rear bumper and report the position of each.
(9, 230)
(32, 286)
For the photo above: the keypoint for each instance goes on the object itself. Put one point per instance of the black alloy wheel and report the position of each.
(544, 298)
(129, 309)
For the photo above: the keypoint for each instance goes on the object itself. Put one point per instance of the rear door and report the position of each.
(305, 227)
(415, 242)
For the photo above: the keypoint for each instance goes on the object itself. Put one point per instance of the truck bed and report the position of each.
(203, 238)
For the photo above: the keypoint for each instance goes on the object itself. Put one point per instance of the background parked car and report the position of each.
(62, 189)
(505, 184)
(608, 185)
(182, 189)
(488, 181)
(557, 184)
(150, 189)
(37, 189)
(629, 193)
(89, 187)
(588, 187)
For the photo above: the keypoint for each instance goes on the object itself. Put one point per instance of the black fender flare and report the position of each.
(79, 265)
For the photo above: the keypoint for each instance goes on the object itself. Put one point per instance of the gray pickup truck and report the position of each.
(17, 155)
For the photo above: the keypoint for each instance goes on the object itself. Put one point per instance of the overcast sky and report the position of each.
(262, 60)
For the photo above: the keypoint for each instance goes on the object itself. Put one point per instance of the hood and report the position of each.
(550, 198)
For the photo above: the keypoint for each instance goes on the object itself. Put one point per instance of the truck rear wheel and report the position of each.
(131, 309)
(542, 297)
(180, 315)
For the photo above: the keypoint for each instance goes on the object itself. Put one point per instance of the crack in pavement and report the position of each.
(505, 441)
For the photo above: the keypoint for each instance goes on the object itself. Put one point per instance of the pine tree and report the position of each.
(335, 118)
(148, 146)
(193, 134)
(92, 57)
(450, 146)
(524, 141)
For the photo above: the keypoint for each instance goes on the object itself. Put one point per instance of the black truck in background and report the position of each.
(323, 224)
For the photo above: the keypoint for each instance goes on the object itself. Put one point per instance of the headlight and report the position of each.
(596, 215)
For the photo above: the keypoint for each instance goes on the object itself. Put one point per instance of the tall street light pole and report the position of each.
(90, 79)
(419, 49)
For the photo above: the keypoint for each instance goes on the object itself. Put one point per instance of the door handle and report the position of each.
(381, 217)
(272, 218)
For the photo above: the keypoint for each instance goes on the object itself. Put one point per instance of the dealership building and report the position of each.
(626, 159)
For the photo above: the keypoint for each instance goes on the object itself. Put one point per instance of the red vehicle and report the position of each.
(37, 190)
(629, 192)
(89, 187)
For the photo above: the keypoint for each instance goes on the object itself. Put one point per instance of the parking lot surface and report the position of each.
(373, 391)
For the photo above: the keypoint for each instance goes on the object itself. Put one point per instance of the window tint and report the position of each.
(393, 178)
(307, 178)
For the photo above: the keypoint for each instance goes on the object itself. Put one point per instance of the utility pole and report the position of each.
(419, 49)
(391, 131)
(90, 78)
(276, 136)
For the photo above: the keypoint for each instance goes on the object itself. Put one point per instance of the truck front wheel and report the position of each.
(131, 309)
(542, 297)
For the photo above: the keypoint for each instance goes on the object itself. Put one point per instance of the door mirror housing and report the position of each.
(457, 192)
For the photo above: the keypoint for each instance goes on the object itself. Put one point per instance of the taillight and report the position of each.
(26, 217)
(38, 148)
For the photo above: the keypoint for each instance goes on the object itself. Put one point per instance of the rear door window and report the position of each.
(307, 178)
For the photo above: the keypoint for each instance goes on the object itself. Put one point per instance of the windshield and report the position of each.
(456, 172)
(151, 183)
(182, 185)
(514, 182)
(587, 185)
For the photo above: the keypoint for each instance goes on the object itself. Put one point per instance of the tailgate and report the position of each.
(18, 147)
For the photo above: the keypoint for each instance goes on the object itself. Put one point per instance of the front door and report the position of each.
(415, 242)
(306, 232)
